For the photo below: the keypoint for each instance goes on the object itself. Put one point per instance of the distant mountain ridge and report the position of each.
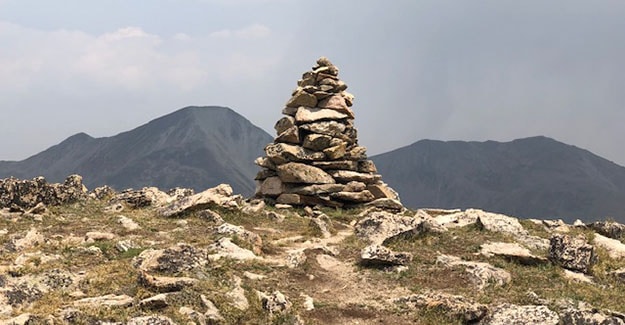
(196, 147)
(532, 177)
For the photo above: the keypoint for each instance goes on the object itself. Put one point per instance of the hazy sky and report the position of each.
(448, 70)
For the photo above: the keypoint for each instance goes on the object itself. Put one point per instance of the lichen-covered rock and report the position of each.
(151, 320)
(172, 260)
(453, 305)
(481, 274)
(511, 251)
(220, 195)
(571, 252)
(508, 314)
(609, 229)
(379, 226)
(251, 237)
(26, 194)
(147, 196)
(165, 283)
(276, 302)
(591, 317)
(615, 248)
(378, 255)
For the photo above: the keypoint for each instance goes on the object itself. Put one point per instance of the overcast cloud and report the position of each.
(448, 70)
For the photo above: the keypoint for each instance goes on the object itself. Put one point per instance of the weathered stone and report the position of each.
(302, 98)
(26, 194)
(274, 303)
(172, 260)
(349, 98)
(290, 198)
(366, 166)
(284, 124)
(619, 274)
(151, 320)
(106, 300)
(178, 193)
(94, 236)
(251, 237)
(386, 204)
(331, 128)
(289, 111)
(159, 301)
(615, 248)
(452, 305)
(302, 173)
(316, 189)
(265, 163)
(591, 317)
(380, 256)
(335, 152)
(511, 251)
(609, 229)
(264, 174)
(345, 176)
(337, 103)
(337, 164)
(310, 114)
(290, 135)
(147, 196)
(216, 196)
(212, 313)
(571, 253)
(18, 243)
(500, 223)
(382, 191)
(481, 274)
(272, 186)
(317, 142)
(355, 186)
(322, 224)
(237, 295)
(377, 227)
(128, 224)
(210, 216)
(508, 314)
(226, 248)
(281, 153)
(357, 152)
(357, 197)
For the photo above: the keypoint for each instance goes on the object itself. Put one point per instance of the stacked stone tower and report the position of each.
(315, 158)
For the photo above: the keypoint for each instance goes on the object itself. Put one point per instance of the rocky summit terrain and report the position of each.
(73, 256)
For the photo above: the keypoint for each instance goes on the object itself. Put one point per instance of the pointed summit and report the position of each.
(315, 157)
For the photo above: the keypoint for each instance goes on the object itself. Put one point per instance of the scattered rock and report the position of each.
(159, 301)
(217, 196)
(106, 300)
(210, 216)
(94, 236)
(246, 235)
(309, 302)
(145, 197)
(577, 276)
(482, 274)
(128, 224)
(380, 226)
(237, 295)
(511, 251)
(165, 284)
(151, 320)
(226, 248)
(615, 248)
(571, 253)
(454, 306)
(508, 314)
(591, 317)
(26, 194)
(275, 302)
(173, 260)
(211, 313)
(102, 193)
(609, 229)
(380, 256)
(32, 238)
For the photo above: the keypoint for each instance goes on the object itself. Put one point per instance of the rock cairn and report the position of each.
(315, 158)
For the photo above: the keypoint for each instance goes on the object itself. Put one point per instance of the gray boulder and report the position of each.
(571, 253)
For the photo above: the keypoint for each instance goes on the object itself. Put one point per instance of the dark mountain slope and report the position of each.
(532, 177)
(195, 147)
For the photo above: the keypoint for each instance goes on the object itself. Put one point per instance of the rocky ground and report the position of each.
(149, 257)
